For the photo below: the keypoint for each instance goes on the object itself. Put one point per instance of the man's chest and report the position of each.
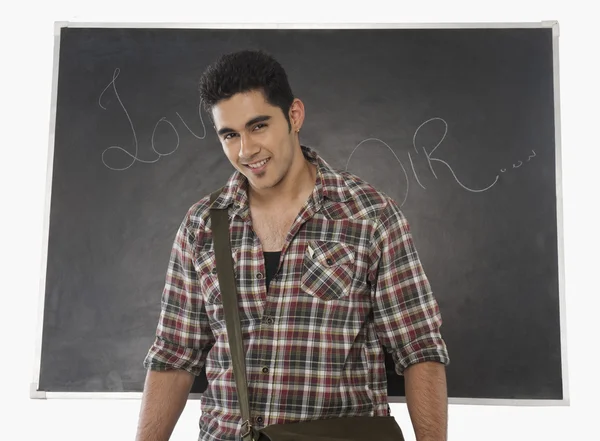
(321, 258)
(272, 229)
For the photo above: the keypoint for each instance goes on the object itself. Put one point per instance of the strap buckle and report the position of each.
(248, 430)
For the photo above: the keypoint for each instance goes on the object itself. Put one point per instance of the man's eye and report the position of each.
(228, 136)
(259, 126)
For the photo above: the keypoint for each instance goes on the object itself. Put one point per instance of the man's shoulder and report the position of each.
(362, 196)
(198, 214)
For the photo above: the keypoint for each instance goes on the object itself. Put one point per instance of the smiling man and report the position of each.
(261, 142)
(327, 276)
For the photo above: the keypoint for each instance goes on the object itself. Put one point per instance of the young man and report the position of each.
(326, 274)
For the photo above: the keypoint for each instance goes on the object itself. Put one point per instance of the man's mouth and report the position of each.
(258, 164)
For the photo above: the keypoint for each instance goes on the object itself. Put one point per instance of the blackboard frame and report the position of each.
(38, 394)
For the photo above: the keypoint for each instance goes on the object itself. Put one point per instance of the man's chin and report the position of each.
(263, 184)
(258, 184)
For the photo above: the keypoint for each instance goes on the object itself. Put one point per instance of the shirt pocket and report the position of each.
(206, 267)
(328, 270)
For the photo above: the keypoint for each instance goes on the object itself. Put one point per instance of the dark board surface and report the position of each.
(482, 204)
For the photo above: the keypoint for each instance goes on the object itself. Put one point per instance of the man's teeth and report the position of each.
(258, 164)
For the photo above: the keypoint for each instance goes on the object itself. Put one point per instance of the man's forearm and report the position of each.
(427, 400)
(165, 395)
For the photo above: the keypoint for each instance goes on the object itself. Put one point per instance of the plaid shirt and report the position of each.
(349, 281)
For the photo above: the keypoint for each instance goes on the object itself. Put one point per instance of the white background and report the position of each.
(27, 51)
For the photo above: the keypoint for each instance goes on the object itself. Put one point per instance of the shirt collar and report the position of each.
(330, 184)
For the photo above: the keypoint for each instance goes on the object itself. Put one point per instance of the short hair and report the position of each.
(246, 71)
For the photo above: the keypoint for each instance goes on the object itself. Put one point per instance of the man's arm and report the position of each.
(427, 400)
(182, 342)
(163, 400)
(407, 321)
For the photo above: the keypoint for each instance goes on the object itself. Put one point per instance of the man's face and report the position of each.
(255, 137)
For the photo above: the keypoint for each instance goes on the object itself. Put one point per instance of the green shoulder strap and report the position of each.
(220, 230)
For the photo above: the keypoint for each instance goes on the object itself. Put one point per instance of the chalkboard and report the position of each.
(457, 124)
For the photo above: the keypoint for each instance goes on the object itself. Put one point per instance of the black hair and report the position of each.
(246, 71)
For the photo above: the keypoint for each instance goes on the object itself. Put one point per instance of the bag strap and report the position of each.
(220, 228)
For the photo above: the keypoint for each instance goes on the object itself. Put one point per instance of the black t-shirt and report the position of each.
(271, 264)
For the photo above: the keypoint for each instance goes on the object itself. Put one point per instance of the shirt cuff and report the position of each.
(425, 349)
(164, 355)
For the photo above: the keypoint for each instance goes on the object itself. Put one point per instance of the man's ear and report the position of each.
(296, 114)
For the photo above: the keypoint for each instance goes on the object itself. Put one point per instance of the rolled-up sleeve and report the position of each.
(183, 335)
(406, 315)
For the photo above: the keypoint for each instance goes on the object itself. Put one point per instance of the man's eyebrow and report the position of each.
(257, 119)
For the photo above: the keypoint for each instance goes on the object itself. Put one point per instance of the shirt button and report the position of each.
(269, 321)
(329, 262)
(259, 276)
(260, 420)
(265, 370)
(214, 271)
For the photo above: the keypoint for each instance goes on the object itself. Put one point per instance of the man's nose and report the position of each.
(247, 147)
